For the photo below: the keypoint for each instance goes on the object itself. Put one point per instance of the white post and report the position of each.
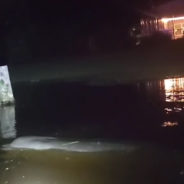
(6, 94)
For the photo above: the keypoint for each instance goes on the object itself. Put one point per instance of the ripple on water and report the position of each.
(46, 143)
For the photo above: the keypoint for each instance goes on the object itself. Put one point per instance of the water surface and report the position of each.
(79, 133)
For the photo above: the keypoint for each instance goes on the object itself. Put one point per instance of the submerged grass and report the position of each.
(159, 61)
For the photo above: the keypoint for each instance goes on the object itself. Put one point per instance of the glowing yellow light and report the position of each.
(168, 84)
(166, 20)
(174, 89)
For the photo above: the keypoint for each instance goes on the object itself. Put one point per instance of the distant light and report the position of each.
(166, 20)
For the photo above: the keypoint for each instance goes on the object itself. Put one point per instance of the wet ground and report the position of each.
(81, 133)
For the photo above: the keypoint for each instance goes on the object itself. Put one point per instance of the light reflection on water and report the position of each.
(7, 122)
(169, 91)
(171, 94)
(174, 89)
(169, 124)
(174, 94)
(144, 165)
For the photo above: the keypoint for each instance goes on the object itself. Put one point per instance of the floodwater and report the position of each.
(74, 133)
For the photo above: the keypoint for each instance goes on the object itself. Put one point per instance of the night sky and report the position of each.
(64, 28)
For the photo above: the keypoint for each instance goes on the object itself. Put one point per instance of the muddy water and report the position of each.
(97, 134)
(146, 165)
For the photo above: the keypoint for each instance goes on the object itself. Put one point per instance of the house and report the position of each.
(167, 18)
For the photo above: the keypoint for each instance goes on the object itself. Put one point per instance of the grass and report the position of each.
(159, 61)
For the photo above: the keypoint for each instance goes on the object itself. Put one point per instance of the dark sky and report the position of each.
(56, 27)
(71, 11)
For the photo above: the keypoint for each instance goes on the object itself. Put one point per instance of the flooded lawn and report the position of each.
(146, 165)
(73, 133)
